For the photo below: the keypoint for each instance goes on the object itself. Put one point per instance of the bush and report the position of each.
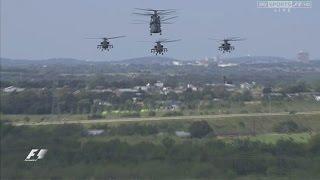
(173, 113)
(288, 127)
(95, 116)
(151, 113)
(200, 129)
(132, 129)
(131, 114)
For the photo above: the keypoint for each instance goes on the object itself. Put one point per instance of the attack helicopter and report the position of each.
(159, 48)
(157, 18)
(105, 43)
(225, 45)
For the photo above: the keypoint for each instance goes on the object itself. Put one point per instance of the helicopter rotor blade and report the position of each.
(166, 13)
(168, 41)
(166, 10)
(238, 39)
(142, 9)
(116, 37)
(167, 22)
(160, 10)
(234, 39)
(169, 18)
(142, 14)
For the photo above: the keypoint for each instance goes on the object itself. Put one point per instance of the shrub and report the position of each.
(200, 129)
(173, 113)
(288, 127)
(151, 113)
(95, 116)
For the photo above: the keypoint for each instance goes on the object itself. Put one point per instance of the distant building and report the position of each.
(158, 84)
(204, 62)
(227, 65)
(142, 88)
(183, 134)
(101, 102)
(95, 132)
(12, 89)
(132, 91)
(247, 86)
(192, 87)
(317, 98)
(303, 57)
(100, 90)
(176, 63)
(171, 105)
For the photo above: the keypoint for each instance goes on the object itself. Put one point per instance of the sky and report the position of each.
(43, 29)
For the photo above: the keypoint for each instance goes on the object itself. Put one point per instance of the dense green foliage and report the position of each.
(69, 157)
(289, 127)
(199, 129)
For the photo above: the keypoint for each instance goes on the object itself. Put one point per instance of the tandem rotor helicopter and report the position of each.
(157, 17)
(225, 45)
(105, 43)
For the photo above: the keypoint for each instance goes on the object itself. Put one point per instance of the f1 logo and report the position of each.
(36, 154)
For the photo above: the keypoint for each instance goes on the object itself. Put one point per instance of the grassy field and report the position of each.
(271, 138)
(241, 125)
(216, 109)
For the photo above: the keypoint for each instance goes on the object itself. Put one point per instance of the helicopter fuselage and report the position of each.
(104, 45)
(155, 24)
(159, 49)
(226, 47)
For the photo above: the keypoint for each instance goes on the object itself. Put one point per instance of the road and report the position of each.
(198, 117)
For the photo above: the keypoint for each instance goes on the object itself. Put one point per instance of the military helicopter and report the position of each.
(105, 43)
(159, 49)
(157, 17)
(226, 46)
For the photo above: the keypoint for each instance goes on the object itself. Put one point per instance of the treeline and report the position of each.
(69, 157)
(67, 100)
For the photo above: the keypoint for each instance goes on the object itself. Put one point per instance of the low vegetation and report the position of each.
(70, 156)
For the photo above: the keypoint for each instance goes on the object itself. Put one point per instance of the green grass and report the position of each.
(272, 138)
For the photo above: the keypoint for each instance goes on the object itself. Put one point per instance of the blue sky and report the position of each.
(41, 29)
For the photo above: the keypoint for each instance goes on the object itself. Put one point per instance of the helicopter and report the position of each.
(226, 46)
(157, 17)
(105, 43)
(159, 48)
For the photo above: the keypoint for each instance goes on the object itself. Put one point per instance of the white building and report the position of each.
(158, 84)
(95, 132)
(12, 89)
(182, 134)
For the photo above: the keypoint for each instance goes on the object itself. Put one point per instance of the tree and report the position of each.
(200, 129)
(168, 143)
(267, 90)
(288, 127)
